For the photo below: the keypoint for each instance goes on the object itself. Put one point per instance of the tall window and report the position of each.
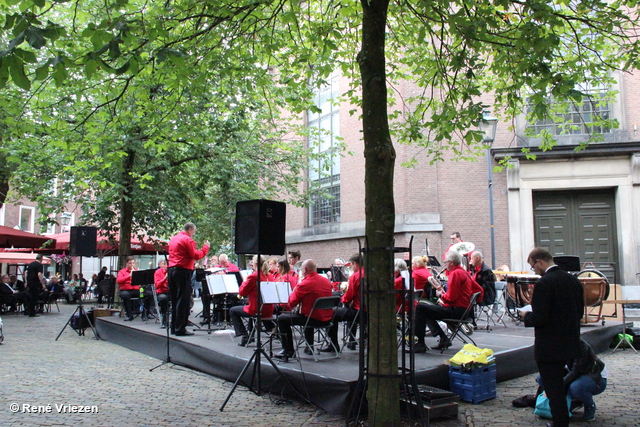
(2, 214)
(324, 171)
(27, 218)
(578, 118)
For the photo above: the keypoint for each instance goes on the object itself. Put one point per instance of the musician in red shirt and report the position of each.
(451, 305)
(228, 266)
(351, 301)
(249, 288)
(455, 239)
(161, 281)
(182, 255)
(420, 274)
(305, 294)
(129, 291)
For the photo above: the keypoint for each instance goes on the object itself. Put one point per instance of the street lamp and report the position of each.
(488, 126)
(65, 219)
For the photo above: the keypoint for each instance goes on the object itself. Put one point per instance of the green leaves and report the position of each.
(16, 71)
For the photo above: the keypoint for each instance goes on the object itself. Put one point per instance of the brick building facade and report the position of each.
(434, 200)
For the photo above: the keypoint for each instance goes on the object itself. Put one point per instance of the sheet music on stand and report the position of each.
(222, 284)
(275, 292)
(245, 274)
(405, 275)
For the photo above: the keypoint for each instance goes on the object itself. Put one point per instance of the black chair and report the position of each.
(107, 290)
(324, 303)
(462, 328)
(53, 299)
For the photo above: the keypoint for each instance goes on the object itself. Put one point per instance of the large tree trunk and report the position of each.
(383, 391)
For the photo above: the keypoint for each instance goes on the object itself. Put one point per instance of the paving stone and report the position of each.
(75, 370)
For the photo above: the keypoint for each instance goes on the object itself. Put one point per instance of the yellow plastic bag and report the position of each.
(472, 354)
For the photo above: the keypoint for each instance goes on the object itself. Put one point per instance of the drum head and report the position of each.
(598, 279)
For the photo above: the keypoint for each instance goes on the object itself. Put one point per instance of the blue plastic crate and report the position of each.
(473, 386)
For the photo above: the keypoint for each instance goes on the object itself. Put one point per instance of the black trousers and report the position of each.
(163, 307)
(429, 314)
(552, 376)
(34, 294)
(345, 314)
(286, 320)
(180, 290)
(126, 297)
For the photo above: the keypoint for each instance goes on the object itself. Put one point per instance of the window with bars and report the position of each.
(579, 118)
(324, 168)
(325, 206)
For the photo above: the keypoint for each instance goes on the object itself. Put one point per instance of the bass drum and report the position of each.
(596, 287)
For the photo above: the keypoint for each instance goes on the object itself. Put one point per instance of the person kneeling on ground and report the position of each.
(586, 378)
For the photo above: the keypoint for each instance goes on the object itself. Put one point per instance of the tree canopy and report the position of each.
(145, 67)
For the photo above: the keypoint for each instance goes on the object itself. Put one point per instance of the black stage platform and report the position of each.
(328, 383)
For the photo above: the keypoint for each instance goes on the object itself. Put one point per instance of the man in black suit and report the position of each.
(557, 306)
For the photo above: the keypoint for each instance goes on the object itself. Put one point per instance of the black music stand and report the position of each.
(222, 298)
(142, 278)
(337, 275)
(568, 263)
(433, 261)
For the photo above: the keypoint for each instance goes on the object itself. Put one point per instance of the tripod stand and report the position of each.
(167, 358)
(258, 352)
(81, 316)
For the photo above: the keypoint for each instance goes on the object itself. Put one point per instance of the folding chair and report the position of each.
(251, 323)
(53, 299)
(403, 318)
(349, 330)
(460, 327)
(324, 303)
(493, 313)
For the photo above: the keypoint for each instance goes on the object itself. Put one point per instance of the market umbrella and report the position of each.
(105, 247)
(7, 257)
(10, 237)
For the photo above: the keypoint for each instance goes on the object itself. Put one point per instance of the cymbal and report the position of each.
(463, 248)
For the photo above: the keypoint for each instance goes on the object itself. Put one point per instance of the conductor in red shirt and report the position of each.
(182, 256)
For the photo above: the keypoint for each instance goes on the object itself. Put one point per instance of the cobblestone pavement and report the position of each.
(115, 384)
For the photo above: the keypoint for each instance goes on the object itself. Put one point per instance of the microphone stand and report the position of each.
(167, 359)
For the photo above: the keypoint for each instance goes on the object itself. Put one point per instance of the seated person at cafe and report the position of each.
(129, 291)
(451, 304)
(16, 284)
(9, 296)
(249, 288)
(305, 294)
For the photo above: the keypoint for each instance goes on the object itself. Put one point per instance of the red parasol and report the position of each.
(104, 246)
(10, 237)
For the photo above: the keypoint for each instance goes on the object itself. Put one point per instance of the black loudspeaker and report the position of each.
(260, 226)
(82, 241)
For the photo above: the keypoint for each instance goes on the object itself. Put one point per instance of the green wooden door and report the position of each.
(578, 223)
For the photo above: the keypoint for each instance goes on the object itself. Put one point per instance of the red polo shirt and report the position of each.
(182, 251)
(312, 287)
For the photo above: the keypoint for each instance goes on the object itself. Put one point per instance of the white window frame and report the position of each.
(32, 222)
